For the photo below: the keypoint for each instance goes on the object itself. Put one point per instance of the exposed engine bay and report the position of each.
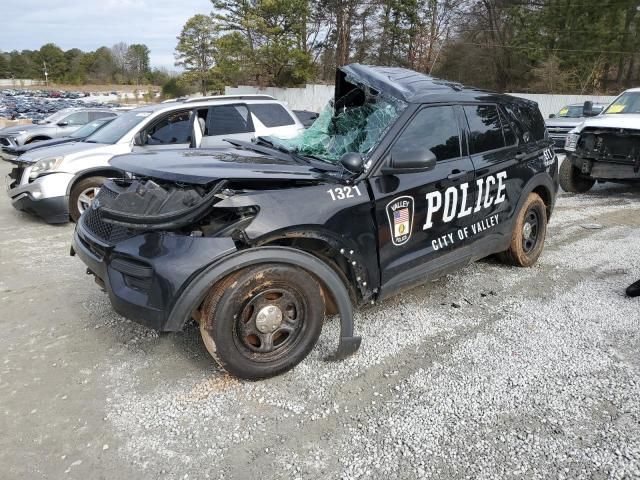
(126, 207)
(611, 153)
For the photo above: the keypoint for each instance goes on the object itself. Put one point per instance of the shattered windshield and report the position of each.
(355, 126)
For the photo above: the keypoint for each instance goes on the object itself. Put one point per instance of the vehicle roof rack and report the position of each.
(229, 97)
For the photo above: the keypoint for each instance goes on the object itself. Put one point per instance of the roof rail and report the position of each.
(229, 97)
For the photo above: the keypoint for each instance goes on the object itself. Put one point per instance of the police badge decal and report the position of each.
(400, 213)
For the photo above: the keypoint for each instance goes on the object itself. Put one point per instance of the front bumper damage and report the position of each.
(45, 197)
(608, 154)
(157, 267)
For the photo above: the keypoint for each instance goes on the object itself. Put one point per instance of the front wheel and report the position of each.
(529, 232)
(82, 194)
(571, 180)
(262, 321)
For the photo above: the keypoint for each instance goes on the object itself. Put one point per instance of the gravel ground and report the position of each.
(492, 372)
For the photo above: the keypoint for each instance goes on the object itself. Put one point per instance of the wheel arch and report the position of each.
(543, 185)
(93, 172)
(36, 138)
(195, 292)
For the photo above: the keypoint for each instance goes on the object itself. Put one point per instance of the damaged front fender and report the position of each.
(195, 292)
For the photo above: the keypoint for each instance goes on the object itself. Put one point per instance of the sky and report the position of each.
(90, 24)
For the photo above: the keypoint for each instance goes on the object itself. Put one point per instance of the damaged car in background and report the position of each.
(400, 179)
(605, 148)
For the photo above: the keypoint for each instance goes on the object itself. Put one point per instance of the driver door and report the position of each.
(169, 132)
(71, 123)
(421, 215)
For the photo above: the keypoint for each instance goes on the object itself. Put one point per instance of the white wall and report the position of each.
(548, 103)
(17, 83)
(314, 97)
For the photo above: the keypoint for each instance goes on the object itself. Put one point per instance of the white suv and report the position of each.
(59, 182)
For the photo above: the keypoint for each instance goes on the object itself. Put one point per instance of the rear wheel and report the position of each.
(82, 194)
(263, 320)
(571, 180)
(529, 232)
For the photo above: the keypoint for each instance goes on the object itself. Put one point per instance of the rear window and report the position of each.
(485, 128)
(529, 119)
(272, 115)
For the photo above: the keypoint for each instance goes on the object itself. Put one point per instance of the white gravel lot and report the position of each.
(535, 373)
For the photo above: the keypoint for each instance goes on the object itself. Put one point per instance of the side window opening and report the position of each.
(485, 128)
(433, 128)
(78, 118)
(228, 119)
(272, 114)
(174, 128)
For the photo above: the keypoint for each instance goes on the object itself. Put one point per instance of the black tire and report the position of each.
(529, 232)
(80, 188)
(241, 335)
(571, 180)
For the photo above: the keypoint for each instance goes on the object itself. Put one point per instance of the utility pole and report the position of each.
(46, 74)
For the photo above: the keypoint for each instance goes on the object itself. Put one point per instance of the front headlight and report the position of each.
(571, 142)
(45, 165)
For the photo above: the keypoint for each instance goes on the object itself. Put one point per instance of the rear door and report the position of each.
(422, 217)
(495, 152)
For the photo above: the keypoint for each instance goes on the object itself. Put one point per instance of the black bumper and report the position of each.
(51, 210)
(145, 275)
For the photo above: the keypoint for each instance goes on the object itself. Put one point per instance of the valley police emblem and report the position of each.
(400, 214)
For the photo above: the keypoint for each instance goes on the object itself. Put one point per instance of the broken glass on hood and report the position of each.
(354, 123)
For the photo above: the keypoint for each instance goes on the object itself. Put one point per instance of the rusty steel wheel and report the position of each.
(262, 321)
(529, 232)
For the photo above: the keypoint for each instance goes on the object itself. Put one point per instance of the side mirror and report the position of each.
(552, 115)
(587, 109)
(352, 162)
(63, 123)
(410, 161)
(140, 139)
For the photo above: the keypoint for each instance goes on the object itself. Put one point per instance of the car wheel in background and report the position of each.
(529, 232)
(262, 321)
(571, 180)
(82, 194)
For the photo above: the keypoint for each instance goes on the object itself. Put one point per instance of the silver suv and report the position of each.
(60, 124)
(59, 182)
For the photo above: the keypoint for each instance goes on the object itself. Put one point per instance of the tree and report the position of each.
(55, 60)
(119, 53)
(196, 49)
(138, 61)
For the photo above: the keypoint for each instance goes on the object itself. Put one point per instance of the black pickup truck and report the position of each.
(402, 178)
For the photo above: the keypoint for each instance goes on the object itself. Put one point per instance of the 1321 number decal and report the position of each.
(342, 193)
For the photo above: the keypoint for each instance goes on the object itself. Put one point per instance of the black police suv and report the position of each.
(401, 178)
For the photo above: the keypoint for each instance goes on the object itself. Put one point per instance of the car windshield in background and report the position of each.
(570, 111)
(89, 128)
(55, 117)
(113, 132)
(628, 102)
(351, 129)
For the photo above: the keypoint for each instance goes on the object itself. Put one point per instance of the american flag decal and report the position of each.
(401, 215)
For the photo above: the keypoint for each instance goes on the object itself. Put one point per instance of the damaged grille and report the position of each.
(107, 232)
(612, 145)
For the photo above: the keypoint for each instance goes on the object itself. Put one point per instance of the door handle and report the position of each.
(521, 155)
(456, 174)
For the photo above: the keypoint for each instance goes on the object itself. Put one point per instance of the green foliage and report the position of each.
(196, 49)
(176, 87)
(74, 66)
